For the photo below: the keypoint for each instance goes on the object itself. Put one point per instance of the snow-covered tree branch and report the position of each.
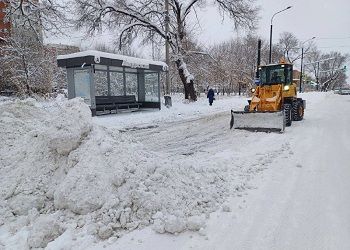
(25, 68)
(39, 16)
(145, 19)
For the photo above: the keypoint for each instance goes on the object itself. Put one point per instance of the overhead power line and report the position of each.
(332, 38)
(329, 47)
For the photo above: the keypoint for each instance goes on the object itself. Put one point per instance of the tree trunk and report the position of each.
(28, 89)
(190, 92)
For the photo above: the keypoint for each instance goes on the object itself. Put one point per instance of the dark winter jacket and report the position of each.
(211, 95)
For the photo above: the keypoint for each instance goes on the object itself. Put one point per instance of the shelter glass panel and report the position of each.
(131, 84)
(117, 83)
(101, 83)
(82, 85)
(151, 87)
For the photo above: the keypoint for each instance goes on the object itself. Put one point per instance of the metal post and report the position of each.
(167, 97)
(317, 76)
(270, 54)
(301, 68)
(108, 81)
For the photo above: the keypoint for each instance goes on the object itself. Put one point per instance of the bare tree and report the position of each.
(288, 45)
(312, 56)
(326, 68)
(332, 70)
(38, 15)
(234, 63)
(139, 18)
(26, 64)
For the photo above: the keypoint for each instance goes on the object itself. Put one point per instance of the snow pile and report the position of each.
(44, 230)
(73, 174)
(35, 143)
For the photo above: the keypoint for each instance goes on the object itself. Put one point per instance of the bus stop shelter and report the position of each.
(109, 82)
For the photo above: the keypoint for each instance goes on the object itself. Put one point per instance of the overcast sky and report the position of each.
(328, 20)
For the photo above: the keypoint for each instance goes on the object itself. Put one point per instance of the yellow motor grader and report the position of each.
(274, 104)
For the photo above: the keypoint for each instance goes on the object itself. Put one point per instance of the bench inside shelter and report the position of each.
(110, 103)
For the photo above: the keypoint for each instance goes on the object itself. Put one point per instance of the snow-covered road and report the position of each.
(302, 199)
(316, 204)
(196, 135)
(302, 202)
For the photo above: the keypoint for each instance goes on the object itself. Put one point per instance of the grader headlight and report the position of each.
(286, 88)
(253, 90)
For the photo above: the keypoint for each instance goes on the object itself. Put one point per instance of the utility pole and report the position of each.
(167, 97)
(301, 70)
(317, 76)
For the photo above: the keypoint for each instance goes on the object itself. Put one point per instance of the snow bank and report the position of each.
(44, 230)
(76, 175)
(35, 142)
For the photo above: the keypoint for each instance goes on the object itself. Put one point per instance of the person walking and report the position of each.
(211, 97)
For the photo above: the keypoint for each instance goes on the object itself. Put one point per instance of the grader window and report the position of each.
(276, 74)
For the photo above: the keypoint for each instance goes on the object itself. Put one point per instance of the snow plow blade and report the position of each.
(258, 121)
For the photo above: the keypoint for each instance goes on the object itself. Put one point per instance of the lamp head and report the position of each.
(289, 7)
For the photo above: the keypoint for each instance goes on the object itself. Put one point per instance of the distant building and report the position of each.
(16, 28)
(296, 76)
(5, 26)
(9, 26)
(59, 75)
(54, 50)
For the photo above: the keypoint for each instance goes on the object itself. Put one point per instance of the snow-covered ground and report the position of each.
(173, 179)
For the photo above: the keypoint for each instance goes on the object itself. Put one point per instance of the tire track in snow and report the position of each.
(186, 137)
(210, 138)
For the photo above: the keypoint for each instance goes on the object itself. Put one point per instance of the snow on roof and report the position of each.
(127, 60)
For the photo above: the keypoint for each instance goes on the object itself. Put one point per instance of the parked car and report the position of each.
(344, 92)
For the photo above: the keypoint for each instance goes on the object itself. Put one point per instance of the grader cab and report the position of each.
(274, 104)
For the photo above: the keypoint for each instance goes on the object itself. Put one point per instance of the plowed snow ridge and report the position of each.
(59, 168)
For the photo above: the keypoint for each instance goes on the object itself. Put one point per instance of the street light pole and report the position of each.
(270, 55)
(302, 59)
(167, 97)
(317, 76)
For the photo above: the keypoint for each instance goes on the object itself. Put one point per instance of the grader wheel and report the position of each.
(298, 111)
(288, 114)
